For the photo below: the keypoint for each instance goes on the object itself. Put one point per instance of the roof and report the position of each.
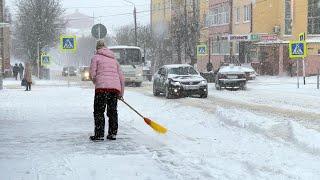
(231, 69)
(124, 47)
(176, 65)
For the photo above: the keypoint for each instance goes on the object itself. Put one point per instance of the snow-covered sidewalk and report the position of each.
(45, 136)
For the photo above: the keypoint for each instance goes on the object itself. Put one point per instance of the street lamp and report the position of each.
(135, 21)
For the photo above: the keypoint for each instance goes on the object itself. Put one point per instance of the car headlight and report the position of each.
(139, 74)
(175, 83)
(204, 82)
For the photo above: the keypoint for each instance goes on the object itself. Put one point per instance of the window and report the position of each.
(288, 18)
(247, 13)
(238, 15)
(221, 47)
(314, 16)
(219, 15)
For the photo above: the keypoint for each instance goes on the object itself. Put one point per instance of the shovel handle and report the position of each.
(131, 108)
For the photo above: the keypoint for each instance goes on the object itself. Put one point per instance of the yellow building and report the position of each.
(204, 34)
(160, 16)
(285, 20)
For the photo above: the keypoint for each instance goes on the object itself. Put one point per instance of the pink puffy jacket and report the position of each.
(105, 71)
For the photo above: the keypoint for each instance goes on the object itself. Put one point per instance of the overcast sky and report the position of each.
(109, 8)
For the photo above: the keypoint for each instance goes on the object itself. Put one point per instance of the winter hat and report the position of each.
(100, 44)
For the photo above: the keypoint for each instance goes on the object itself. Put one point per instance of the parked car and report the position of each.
(71, 70)
(250, 72)
(85, 73)
(179, 80)
(231, 77)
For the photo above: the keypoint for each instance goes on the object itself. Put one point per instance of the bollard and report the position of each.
(318, 79)
(1, 81)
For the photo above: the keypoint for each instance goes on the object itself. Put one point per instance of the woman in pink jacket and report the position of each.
(108, 79)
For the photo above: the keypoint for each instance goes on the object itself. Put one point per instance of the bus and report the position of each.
(131, 61)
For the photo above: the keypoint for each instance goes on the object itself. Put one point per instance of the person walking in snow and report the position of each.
(108, 79)
(27, 76)
(21, 69)
(15, 71)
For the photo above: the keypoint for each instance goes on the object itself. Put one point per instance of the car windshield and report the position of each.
(182, 71)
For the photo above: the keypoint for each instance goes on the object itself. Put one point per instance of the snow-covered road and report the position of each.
(45, 136)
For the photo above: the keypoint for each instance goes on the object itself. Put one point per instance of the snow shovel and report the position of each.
(155, 126)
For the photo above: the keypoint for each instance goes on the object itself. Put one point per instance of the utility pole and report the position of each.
(135, 25)
(135, 21)
(185, 30)
(38, 61)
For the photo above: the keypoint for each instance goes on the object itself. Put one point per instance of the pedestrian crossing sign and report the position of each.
(68, 43)
(202, 50)
(297, 49)
(45, 60)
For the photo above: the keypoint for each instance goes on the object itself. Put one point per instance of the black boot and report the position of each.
(111, 137)
(96, 138)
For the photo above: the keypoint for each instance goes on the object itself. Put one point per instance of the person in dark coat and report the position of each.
(209, 67)
(21, 69)
(15, 71)
(27, 76)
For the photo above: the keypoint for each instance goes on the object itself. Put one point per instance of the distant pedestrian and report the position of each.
(209, 66)
(15, 71)
(108, 79)
(290, 68)
(28, 76)
(21, 69)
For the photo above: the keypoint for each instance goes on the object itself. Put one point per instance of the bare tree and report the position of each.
(37, 21)
(185, 30)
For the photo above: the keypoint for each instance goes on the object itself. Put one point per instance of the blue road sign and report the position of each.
(45, 60)
(298, 49)
(201, 50)
(68, 43)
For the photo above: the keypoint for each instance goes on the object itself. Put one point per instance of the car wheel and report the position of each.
(168, 93)
(243, 87)
(205, 95)
(155, 91)
(138, 84)
(218, 87)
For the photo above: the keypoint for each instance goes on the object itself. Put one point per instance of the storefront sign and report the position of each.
(268, 37)
(255, 37)
(239, 38)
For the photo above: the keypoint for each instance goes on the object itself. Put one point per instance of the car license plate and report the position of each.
(232, 77)
(191, 87)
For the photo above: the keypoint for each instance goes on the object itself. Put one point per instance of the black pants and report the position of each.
(28, 86)
(101, 100)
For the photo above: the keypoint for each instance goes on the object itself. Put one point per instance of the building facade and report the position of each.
(5, 66)
(214, 33)
(283, 21)
(259, 32)
(161, 12)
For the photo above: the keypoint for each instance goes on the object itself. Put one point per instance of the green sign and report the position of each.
(255, 37)
(202, 50)
(68, 43)
(297, 49)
